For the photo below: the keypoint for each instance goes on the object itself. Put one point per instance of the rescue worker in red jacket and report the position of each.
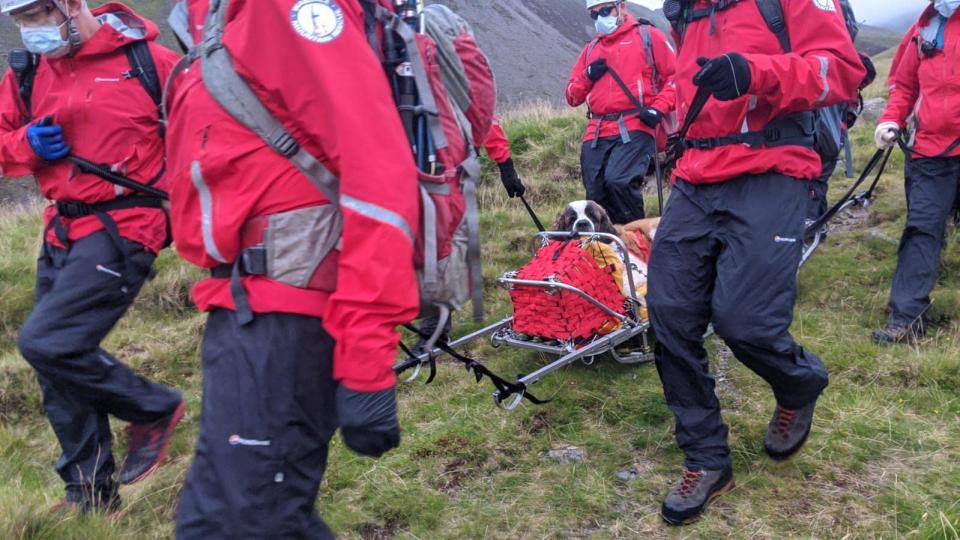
(923, 85)
(730, 240)
(301, 333)
(620, 140)
(99, 240)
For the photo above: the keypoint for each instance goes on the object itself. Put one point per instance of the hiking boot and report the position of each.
(104, 500)
(894, 333)
(788, 431)
(691, 495)
(148, 446)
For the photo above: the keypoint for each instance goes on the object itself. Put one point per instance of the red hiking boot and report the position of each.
(148, 446)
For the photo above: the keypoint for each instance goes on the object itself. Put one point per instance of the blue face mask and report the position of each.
(607, 25)
(946, 7)
(43, 39)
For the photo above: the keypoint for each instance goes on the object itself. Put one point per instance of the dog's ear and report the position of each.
(603, 221)
(564, 220)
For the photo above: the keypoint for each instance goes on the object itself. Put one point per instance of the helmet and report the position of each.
(8, 6)
(593, 3)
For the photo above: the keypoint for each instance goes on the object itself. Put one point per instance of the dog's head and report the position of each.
(584, 217)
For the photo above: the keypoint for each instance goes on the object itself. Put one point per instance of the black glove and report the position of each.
(597, 69)
(508, 175)
(651, 117)
(727, 77)
(368, 420)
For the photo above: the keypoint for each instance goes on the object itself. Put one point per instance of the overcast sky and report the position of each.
(870, 11)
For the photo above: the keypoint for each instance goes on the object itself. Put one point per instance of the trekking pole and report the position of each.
(656, 157)
(90, 167)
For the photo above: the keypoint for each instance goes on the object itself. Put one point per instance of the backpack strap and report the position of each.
(23, 63)
(143, 67)
(772, 12)
(648, 50)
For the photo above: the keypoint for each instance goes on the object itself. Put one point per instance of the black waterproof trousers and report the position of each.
(818, 191)
(931, 186)
(80, 296)
(613, 173)
(728, 253)
(268, 416)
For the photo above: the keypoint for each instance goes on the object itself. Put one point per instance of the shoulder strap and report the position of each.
(144, 68)
(23, 63)
(772, 12)
(648, 50)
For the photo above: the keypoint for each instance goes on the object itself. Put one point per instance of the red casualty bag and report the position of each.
(561, 314)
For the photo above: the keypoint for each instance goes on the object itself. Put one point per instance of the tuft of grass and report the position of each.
(883, 461)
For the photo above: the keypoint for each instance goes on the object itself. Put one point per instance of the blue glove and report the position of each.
(368, 420)
(46, 139)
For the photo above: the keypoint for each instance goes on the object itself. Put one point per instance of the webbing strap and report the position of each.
(651, 60)
(429, 240)
(797, 129)
(470, 173)
(237, 98)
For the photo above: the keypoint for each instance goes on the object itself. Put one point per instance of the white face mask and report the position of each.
(946, 7)
(609, 24)
(46, 39)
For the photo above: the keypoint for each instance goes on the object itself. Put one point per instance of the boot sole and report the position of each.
(693, 519)
(164, 450)
(784, 456)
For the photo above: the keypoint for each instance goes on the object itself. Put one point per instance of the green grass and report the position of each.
(883, 461)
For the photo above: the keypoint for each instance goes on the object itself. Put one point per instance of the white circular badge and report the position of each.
(317, 20)
(825, 5)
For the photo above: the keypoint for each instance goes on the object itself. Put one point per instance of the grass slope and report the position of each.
(883, 461)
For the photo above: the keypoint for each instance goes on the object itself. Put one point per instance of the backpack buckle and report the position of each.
(771, 134)
(285, 144)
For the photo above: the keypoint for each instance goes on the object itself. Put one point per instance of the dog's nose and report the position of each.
(583, 225)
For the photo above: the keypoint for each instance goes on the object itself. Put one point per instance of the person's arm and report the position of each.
(822, 70)
(338, 105)
(497, 145)
(17, 157)
(666, 59)
(498, 148)
(903, 92)
(579, 85)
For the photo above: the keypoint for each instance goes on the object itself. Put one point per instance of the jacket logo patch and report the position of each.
(825, 5)
(320, 21)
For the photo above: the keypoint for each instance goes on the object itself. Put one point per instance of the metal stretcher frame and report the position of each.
(510, 395)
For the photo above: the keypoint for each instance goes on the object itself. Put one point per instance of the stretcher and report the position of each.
(630, 342)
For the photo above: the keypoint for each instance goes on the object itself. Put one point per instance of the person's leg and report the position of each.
(756, 288)
(61, 337)
(593, 161)
(681, 278)
(624, 176)
(756, 285)
(931, 187)
(79, 302)
(268, 416)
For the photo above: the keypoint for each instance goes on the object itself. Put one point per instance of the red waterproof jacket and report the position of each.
(927, 88)
(106, 118)
(823, 69)
(224, 176)
(905, 44)
(624, 51)
(497, 145)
